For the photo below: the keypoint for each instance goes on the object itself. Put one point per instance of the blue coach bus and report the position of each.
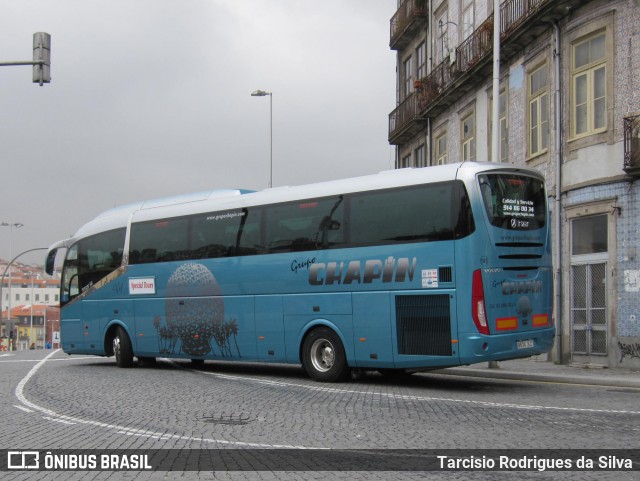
(410, 270)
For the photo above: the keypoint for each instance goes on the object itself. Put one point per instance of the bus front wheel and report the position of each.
(122, 349)
(323, 356)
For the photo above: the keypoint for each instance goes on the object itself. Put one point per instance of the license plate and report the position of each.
(527, 343)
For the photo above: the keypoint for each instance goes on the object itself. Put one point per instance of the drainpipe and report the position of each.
(430, 35)
(429, 155)
(495, 114)
(557, 244)
(429, 160)
(398, 64)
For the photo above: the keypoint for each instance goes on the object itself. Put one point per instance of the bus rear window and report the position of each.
(514, 202)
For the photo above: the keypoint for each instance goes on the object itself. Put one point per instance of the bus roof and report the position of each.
(226, 199)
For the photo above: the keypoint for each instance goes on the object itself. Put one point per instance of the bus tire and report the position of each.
(122, 349)
(323, 356)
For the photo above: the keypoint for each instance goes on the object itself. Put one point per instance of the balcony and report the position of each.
(471, 63)
(405, 120)
(631, 127)
(406, 22)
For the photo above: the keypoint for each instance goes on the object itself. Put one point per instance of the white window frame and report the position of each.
(468, 141)
(503, 126)
(442, 37)
(538, 103)
(419, 156)
(467, 18)
(421, 61)
(405, 161)
(589, 73)
(441, 148)
(407, 74)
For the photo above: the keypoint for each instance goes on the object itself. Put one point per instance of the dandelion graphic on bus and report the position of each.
(195, 316)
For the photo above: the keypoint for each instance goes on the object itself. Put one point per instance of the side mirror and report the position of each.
(51, 261)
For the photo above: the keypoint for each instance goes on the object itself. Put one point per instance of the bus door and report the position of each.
(71, 330)
(71, 335)
(96, 316)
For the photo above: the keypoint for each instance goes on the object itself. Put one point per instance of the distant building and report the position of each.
(34, 326)
(569, 107)
(30, 306)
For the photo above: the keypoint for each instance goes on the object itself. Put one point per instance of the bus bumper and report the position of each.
(475, 347)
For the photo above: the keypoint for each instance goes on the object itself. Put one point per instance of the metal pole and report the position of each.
(262, 93)
(31, 318)
(41, 58)
(271, 139)
(557, 235)
(495, 118)
(10, 64)
(17, 225)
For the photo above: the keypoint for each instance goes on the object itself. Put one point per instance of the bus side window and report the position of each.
(414, 214)
(305, 225)
(248, 240)
(225, 234)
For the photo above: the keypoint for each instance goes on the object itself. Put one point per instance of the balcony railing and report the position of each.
(404, 114)
(513, 13)
(410, 16)
(456, 75)
(435, 82)
(476, 46)
(631, 127)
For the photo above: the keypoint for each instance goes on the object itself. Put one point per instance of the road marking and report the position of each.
(406, 397)
(63, 418)
(141, 433)
(23, 408)
(57, 420)
(53, 360)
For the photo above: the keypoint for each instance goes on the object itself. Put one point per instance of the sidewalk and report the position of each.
(534, 369)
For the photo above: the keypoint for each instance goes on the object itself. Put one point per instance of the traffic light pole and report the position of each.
(41, 59)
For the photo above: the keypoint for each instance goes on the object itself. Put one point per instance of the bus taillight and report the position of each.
(478, 310)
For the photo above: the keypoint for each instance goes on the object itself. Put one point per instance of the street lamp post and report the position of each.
(262, 93)
(10, 225)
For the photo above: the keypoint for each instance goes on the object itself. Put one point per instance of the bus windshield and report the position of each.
(515, 202)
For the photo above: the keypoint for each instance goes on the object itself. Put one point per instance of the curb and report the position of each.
(541, 377)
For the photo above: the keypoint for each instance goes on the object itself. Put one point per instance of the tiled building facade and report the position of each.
(570, 108)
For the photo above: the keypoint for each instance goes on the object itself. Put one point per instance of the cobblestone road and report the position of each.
(62, 402)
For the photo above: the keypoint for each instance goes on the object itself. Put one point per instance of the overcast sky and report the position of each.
(151, 98)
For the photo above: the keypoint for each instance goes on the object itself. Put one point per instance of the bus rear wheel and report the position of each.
(122, 349)
(323, 356)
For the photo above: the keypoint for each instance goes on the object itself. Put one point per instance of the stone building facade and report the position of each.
(570, 108)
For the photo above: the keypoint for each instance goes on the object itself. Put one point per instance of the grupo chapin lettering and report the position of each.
(350, 272)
